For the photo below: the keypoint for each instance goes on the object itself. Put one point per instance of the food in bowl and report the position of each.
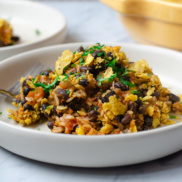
(6, 34)
(96, 91)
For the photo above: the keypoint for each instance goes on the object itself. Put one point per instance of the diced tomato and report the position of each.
(37, 93)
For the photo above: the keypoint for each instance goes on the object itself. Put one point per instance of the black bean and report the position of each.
(148, 121)
(132, 107)
(95, 54)
(142, 109)
(55, 112)
(156, 94)
(126, 119)
(44, 106)
(145, 128)
(85, 69)
(75, 127)
(144, 92)
(139, 103)
(46, 72)
(119, 117)
(1, 43)
(18, 100)
(23, 102)
(62, 93)
(24, 83)
(28, 107)
(109, 54)
(110, 94)
(121, 86)
(26, 90)
(104, 99)
(15, 38)
(81, 49)
(50, 125)
(93, 115)
(83, 82)
(173, 98)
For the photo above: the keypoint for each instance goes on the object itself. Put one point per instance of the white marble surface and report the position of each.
(89, 21)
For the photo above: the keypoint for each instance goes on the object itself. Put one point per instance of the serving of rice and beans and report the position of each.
(6, 34)
(96, 91)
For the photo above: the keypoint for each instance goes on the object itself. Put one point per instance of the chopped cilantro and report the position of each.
(1, 113)
(82, 76)
(38, 129)
(74, 52)
(19, 104)
(172, 117)
(49, 69)
(100, 80)
(135, 92)
(37, 32)
(42, 73)
(81, 61)
(111, 63)
(100, 54)
(92, 49)
(9, 118)
(66, 68)
(66, 77)
(150, 74)
(127, 82)
(73, 65)
(44, 86)
(68, 91)
(95, 108)
(117, 96)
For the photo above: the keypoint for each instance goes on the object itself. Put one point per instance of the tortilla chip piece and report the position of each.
(114, 107)
(63, 61)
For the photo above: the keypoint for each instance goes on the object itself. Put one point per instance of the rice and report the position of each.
(96, 91)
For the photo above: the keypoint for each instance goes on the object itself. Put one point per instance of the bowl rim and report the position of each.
(90, 137)
(147, 9)
(44, 38)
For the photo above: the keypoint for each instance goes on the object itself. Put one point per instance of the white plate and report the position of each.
(26, 17)
(90, 151)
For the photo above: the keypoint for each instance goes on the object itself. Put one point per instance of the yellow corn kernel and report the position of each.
(131, 97)
(106, 129)
(80, 130)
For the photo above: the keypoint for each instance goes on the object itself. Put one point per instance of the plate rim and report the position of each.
(43, 39)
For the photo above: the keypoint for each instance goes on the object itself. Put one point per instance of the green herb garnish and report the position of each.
(73, 65)
(127, 83)
(135, 92)
(42, 73)
(19, 104)
(74, 52)
(172, 117)
(66, 68)
(66, 77)
(37, 32)
(9, 118)
(100, 80)
(81, 61)
(149, 74)
(44, 86)
(38, 129)
(1, 113)
(68, 91)
(95, 108)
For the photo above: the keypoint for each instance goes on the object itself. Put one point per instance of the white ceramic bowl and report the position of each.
(90, 151)
(26, 17)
